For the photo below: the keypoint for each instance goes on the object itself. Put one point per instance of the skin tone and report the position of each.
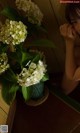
(72, 71)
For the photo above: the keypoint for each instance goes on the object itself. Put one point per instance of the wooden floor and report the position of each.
(4, 110)
(53, 116)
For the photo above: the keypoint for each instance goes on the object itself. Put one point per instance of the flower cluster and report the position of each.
(3, 62)
(32, 75)
(13, 32)
(31, 10)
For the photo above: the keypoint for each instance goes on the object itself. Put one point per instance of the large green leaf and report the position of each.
(36, 58)
(26, 91)
(20, 56)
(14, 88)
(16, 56)
(10, 13)
(6, 94)
(43, 43)
(26, 56)
(10, 76)
(3, 47)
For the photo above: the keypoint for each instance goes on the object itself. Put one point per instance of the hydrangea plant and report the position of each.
(21, 69)
(31, 11)
(13, 32)
(3, 62)
(32, 75)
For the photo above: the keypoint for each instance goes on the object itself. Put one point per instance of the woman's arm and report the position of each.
(70, 65)
(68, 82)
(68, 85)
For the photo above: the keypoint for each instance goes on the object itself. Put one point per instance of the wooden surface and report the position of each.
(7, 113)
(4, 110)
(53, 116)
(11, 115)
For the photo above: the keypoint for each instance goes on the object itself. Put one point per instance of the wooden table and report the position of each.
(53, 116)
(7, 113)
(4, 110)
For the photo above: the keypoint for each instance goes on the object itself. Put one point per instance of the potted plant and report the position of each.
(22, 69)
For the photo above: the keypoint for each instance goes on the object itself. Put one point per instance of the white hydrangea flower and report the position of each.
(3, 62)
(31, 11)
(32, 75)
(13, 32)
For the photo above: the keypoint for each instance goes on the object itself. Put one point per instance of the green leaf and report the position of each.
(43, 43)
(3, 47)
(45, 78)
(17, 56)
(36, 58)
(10, 76)
(6, 94)
(19, 47)
(14, 88)
(10, 13)
(20, 55)
(25, 56)
(26, 91)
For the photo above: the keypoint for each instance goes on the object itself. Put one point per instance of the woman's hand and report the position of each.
(68, 32)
